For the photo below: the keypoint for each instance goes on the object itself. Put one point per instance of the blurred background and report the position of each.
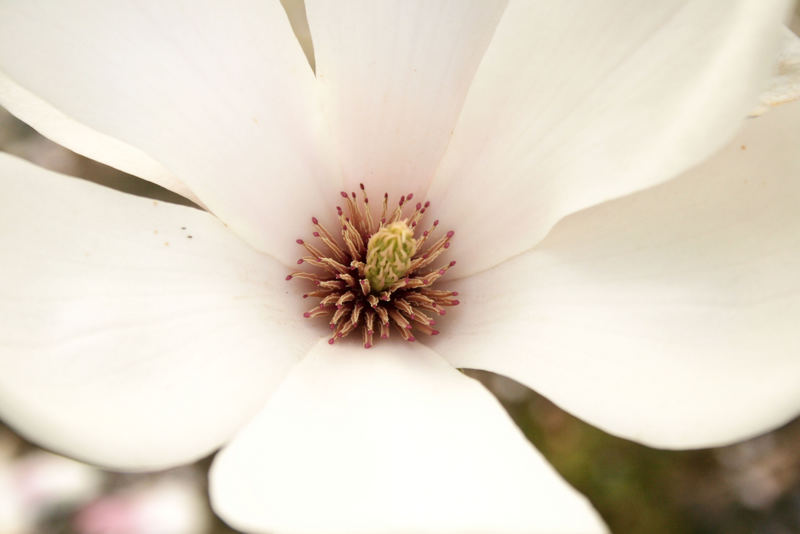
(748, 488)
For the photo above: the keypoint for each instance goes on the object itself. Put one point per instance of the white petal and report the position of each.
(393, 76)
(123, 341)
(389, 440)
(669, 316)
(217, 92)
(79, 138)
(576, 103)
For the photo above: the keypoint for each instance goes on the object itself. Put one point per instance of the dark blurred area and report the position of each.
(751, 487)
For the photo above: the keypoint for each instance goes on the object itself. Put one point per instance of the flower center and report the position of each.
(377, 274)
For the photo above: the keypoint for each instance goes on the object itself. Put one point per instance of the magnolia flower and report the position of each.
(662, 307)
(172, 505)
(38, 483)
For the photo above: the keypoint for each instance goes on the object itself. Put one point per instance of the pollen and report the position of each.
(377, 273)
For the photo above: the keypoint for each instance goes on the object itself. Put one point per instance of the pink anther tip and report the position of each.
(441, 271)
(410, 196)
(452, 263)
(419, 205)
(435, 333)
(361, 185)
(367, 345)
(314, 220)
(442, 312)
(338, 306)
(344, 194)
(436, 222)
(315, 234)
(384, 336)
(299, 241)
(447, 244)
(299, 261)
(288, 276)
(330, 341)
(412, 338)
(331, 326)
(409, 327)
(451, 233)
(456, 302)
(427, 203)
(306, 315)
(455, 293)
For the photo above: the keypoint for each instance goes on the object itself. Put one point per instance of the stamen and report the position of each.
(383, 315)
(405, 307)
(367, 213)
(335, 265)
(316, 293)
(375, 271)
(385, 207)
(368, 329)
(340, 313)
(311, 249)
(332, 284)
(347, 297)
(365, 289)
(356, 314)
(317, 312)
(399, 320)
(384, 330)
(373, 301)
(330, 299)
(348, 279)
(326, 237)
(305, 275)
(421, 318)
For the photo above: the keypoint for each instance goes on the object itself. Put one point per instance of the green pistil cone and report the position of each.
(389, 254)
